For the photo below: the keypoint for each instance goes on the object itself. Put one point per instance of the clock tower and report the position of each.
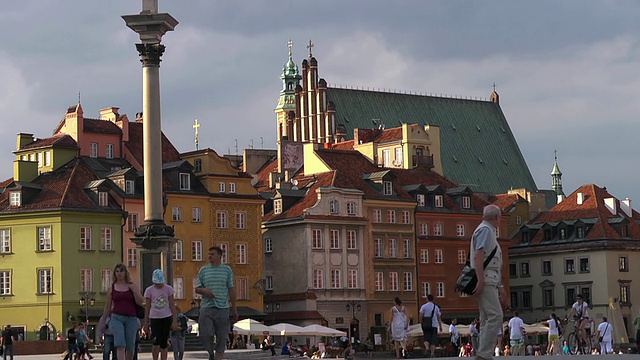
(286, 107)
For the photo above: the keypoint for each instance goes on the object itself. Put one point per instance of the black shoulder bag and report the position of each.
(468, 279)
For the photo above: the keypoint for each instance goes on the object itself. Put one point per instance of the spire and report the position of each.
(494, 98)
(556, 178)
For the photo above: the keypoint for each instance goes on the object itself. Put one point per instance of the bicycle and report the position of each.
(587, 343)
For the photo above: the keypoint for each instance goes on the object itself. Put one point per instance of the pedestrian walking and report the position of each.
(108, 350)
(516, 335)
(454, 336)
(605, 335)
(555, 330)
(489, 292)
(215, 283)
(160, 313)
(475, 333)
(7, 339)
(178, 336)
(72, 345)
(399, 327)
(431, 322)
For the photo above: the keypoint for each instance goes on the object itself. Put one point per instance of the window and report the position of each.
(393, 248)
(85, 238)
(569, 266)
(513, 270)
(525, 237)
(232, 188)
(44, 281)
(391, 216)
(105, 239)
(132, 222)
(241, 220)
(109, 151)
(424, 256)
(379, 282)
(105, 275)
(197, 165)
(268, 246)
(221, 219)
(584, 265)
(424, 229)
(518, 220)
(129, 186)
(407, 249)
(351, 208)
(132, 257)
(196, 214)
(439, 200)
(86, 279)
(548, 297)
(185, 181)
(333, 207)
(196, 250)
(624, 293)
(524, 269)
(563, 234)
(579, 232)
(437, 229)
(406, 217)
(420, 199)
(268, 283)
(462, 256)
(466, 202)
(225, 252)
(241, 253)
(39, 159)
(44, 238)
(178, 287)
(439, 289)
(243, 293)
(94, 150)
(47, 158)
(546, 267)
(335, 239)
(352, 278)
(377, 216)
(439, 256)
(176, 213)
(388, 187)
(398, 160)
(407, 281)
(352, 240)
(393, 281)
(514, 300)
(15, 198)
(177, 250)
(318, 279)
(623, 263)
(193, 289)
(425, 289)
(32, 157)
(221, 187)
(377, 248)
(526, 299)
(103, 198)
(386, 158)
(316, 241)
(335, 278)
(460, 229)
(277, 206)
(5, 241)
(571, 296)
(5, 282)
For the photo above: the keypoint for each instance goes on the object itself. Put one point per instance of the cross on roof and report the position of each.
(494, 87)
(196, 126)
(555, 154)
(290, 45)
(310, 46)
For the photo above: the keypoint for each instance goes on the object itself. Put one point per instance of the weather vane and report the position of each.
(310, 46)
(290, 45)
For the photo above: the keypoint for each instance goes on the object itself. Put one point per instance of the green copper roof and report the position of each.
(556, 169)
(478, 148)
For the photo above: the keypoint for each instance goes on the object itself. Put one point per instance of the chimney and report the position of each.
(561, 197)
(610, 203)
(625, 205)
(23, 140)
(25, 171)
(580, 198)
(110, 114)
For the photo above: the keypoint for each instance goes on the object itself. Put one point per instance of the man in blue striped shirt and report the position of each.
(215, 284)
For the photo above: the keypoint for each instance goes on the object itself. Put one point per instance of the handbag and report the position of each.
(468, 279)
(140, 312)
(605, 330)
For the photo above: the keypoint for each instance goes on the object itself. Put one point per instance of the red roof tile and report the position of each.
(101, 126)
(506, 201)
(314, 181)
(263, 175)
(169, 152)
(344, 145)
(57, 141)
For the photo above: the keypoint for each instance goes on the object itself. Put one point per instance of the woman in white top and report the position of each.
(555, 329)
(399, 327)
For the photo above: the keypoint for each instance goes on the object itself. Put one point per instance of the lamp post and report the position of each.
(354, 324)
(48, 303)
(86, 300)
(273, 306)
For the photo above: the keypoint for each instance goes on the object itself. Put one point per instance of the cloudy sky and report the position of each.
(568, 72)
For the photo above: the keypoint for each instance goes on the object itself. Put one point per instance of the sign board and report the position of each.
(377, 339)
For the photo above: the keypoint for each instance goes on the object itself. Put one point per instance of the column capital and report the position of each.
(150, 54)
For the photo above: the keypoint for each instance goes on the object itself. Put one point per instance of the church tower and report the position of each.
(556, 179)
(285, 109)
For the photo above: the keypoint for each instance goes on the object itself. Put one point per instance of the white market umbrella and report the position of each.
(287, 329)
(253, 327)
(416, 330)
(320, 330)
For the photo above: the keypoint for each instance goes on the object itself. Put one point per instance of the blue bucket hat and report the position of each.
(158, 276)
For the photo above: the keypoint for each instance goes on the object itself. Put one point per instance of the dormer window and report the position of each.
(103, 198)
(185, 181)
(15, 198)
(351, 208)
(129, 187)
(387, 188)
(109, 151)
(420, 199)
(579, 232)
(277, 206)
(197, 164)
(439, 201)
(333, 207)
(94, 150)
(466, 202)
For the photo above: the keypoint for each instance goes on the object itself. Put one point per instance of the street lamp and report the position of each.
(354, 325)
(86, 300)
(48, 303)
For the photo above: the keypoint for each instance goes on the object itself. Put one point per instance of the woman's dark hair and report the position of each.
(398, 301)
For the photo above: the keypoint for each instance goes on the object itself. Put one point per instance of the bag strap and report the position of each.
(486, 262)
(433, 310)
